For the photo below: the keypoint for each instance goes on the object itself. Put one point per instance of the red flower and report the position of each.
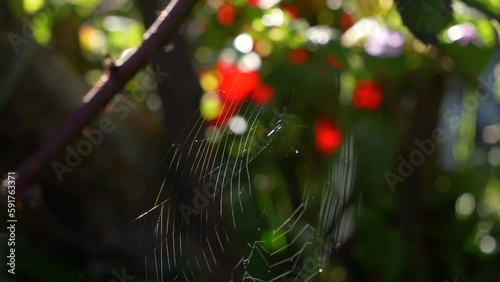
(346, 21)
(236, 85)
(225, 14)
(327, 136)
(262, 94)
(253, 3)
(294, 13)
(225, 69)
(297, 56)
(367, 95)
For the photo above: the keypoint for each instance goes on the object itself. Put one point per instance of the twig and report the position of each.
(100, 95)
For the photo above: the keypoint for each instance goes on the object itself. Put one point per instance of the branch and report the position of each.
(99, 96)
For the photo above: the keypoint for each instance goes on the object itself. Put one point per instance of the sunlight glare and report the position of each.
(334, 4)
(488, 244)
(494, 156)
(228, 55)
(491, 134)
(250, 62)
(153, 102)
(266, 4)
(243, 43)
(465, 204)
(320, 34)
(237, 125)
(275, 18)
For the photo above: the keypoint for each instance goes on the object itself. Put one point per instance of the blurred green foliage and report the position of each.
(343, 42)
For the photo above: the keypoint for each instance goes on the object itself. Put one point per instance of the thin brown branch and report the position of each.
(99, 96)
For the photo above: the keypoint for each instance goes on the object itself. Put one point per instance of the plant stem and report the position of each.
(99, 96)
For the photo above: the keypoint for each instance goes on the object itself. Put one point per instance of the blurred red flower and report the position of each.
(236, 85)
(225, 14)
(346, 21)
(263, 94)
(327, 136)
(367, 95)
(294, 13)
(224, 68)
(253, 3)
(297, 56)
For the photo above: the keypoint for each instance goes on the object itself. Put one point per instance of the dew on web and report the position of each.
(216, 215)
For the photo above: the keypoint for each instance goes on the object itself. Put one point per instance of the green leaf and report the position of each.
(472, 66)
(425, 18)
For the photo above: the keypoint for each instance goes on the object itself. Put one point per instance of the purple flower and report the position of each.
(463, 33)
(384, 42)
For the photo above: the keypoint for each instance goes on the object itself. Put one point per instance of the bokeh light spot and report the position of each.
(465, 204)
(488, 244)
(250, 62)
(211, 106)
(153, 102)
(243, 43)
(494, 156)
(238, 125)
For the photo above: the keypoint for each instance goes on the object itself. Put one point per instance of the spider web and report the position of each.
(200, 226)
